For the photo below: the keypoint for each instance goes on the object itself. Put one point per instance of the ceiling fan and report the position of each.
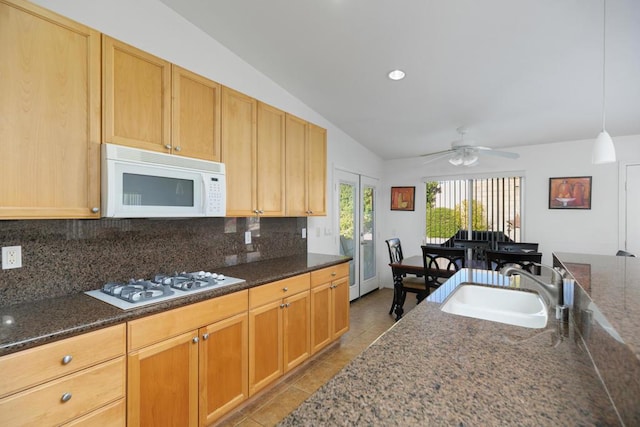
(466, 152)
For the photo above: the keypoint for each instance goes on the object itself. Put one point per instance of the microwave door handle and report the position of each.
(204, 194)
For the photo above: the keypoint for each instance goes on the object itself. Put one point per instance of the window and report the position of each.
(485, 206)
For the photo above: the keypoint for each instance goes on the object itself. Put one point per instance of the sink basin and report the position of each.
(510, 306)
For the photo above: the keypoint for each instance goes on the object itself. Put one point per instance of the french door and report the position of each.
(356, 201)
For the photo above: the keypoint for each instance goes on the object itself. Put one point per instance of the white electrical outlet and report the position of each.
(304, 233)
(11, 257)
(247, 237)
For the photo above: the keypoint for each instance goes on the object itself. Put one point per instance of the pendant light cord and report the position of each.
(604, 56)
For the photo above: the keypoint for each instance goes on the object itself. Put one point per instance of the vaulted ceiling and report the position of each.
(513, 72)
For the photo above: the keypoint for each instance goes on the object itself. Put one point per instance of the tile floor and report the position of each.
(369, 319)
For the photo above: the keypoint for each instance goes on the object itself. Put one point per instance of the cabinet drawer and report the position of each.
(112, 415)
(88, 389)
(329, 274)
(277, 290)
(39, 364)
(159, 327)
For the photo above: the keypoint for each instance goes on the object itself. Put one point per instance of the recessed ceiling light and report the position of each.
(396, 75)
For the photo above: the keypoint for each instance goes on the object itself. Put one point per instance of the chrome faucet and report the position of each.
(553, 291)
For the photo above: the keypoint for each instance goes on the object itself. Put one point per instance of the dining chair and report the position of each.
(517, 247)
(414, 284)
(525, 260)
(478, 248)
(440, 263)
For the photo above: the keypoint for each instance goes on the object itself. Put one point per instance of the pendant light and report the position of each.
(603, 149)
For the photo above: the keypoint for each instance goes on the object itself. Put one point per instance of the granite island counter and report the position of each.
(435, 368)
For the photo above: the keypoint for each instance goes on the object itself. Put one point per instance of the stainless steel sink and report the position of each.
(504, 305)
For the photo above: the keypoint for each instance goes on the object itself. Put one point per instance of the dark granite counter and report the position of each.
(435, 368)
(36, 323)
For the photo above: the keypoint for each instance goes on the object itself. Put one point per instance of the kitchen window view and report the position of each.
(480, 206)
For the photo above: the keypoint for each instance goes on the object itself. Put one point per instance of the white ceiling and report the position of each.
(513, 72)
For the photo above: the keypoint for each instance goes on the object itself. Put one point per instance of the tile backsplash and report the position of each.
(68, 256)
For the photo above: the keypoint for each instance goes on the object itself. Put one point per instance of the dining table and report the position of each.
(414, 265)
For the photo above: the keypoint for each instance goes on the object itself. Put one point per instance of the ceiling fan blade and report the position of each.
(436, 156)
(498, 153)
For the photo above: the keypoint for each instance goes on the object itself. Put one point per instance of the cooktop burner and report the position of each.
(137, 293)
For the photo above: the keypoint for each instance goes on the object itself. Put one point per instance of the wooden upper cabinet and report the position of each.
(136, 97)
(49, 115)
(270, 161)
(317, 170)
(239, 115)
(306, 168)
(195, 130)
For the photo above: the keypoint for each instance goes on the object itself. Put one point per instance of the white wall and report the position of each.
(151, 26)
(593, 231)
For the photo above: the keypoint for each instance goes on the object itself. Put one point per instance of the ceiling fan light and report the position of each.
(456, 160)
(603, 149)
(470, 160)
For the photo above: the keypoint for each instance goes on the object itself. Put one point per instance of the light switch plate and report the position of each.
(11, 257)
(304, 233)
(247, 237)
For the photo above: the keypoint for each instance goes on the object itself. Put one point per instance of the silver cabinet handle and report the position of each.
(195, 340)
(167, 146)
(283, 305)
(205, 336)
(95, 210)
(287, 304)
(333, 273)
(285, 289)
(66, 397)
(67, 359)
(177, 148)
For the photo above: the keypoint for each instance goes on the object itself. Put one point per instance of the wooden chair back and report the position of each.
(525, 260)
(441, 262)
(395, 250)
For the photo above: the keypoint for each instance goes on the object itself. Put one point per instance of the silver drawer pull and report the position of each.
(333, 273)
(285, 289)
(205, 336)
(282, 305)
(66, 397)
(195, 340)
(67, 359)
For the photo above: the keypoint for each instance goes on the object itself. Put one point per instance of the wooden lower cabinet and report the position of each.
(56, 383)
(278, 330)
(329, 305)
(224, 367)
(192, 378)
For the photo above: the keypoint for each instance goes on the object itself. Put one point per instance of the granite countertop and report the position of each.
(31, 324)
(435, 368)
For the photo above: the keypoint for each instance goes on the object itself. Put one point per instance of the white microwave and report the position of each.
(145, 184)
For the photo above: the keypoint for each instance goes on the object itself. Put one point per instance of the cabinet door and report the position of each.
(270, 170)
(224, 366)
(49, 114)
(195, 123)
(316, 170)
(296, 140)
(239, 151)
(137, 97)
(340, 310)
(265, 345)
(162, 383)
(321, 316)
(296, 330)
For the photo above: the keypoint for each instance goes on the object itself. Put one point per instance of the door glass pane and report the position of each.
(150, 190)
(347, 225)
(368, 233)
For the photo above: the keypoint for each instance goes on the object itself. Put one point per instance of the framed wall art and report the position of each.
(403, 198)
(570, 192)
